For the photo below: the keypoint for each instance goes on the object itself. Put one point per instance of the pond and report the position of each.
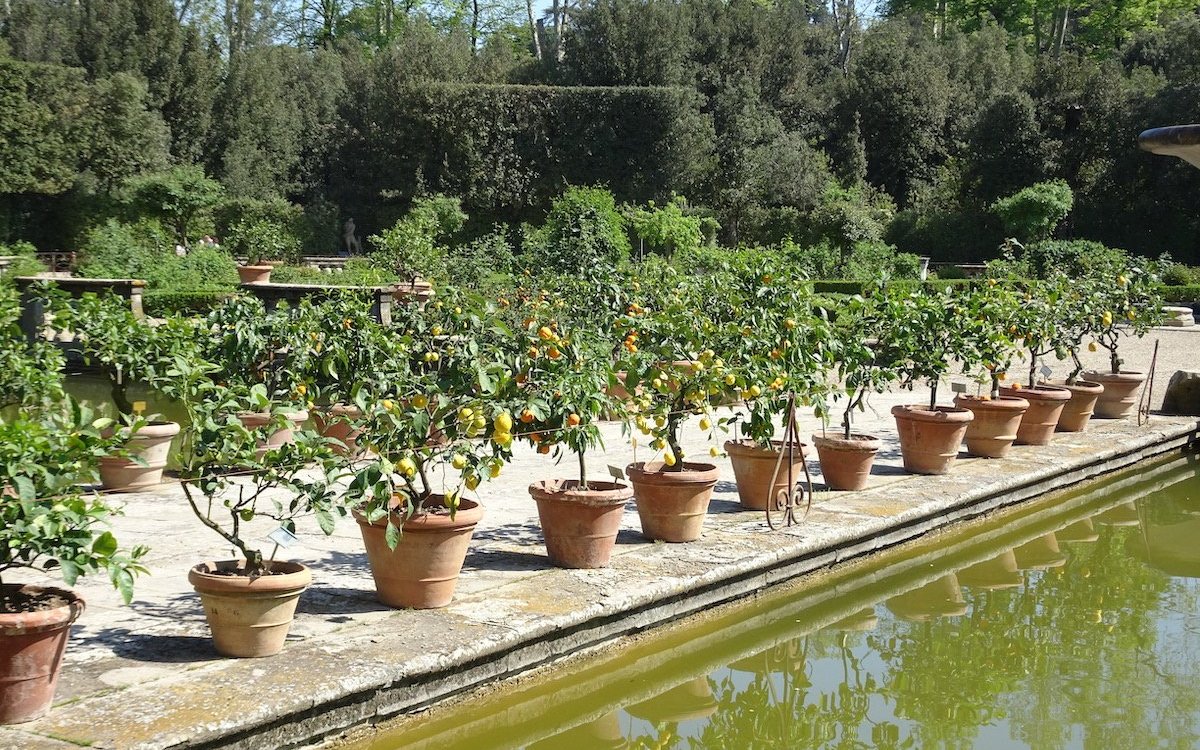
(1072, 623)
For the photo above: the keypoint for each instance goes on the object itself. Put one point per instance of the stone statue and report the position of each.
(350, 243)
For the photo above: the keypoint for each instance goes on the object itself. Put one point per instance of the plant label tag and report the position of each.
(139, 407)
(283, 537)
(958, 387)
(1045, 371)
(616, 473)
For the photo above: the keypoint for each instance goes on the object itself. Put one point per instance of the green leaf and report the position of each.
(392, 535)
(325, 520)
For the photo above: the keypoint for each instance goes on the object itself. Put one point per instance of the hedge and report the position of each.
(195, 302)
(1184, 294)
(850, 287)
(512, 148)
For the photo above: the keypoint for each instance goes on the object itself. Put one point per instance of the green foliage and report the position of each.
(183, 302)
(583, 233)
(1032, 213)
(178, 197)
(483, 260)
(356, 272)
(666, 229)
(411, 248)
(1072, 258)
(143, 251)
(49, 523)
(40, 151)
(29, 371)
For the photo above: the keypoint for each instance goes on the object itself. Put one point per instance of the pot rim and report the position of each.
(21, 623)
(693, 472)
(469, 513)
(567, 491)
(300, 415)
(922, 413)
(1084, 386)
(1101, 377)
(750, 448)
(1039, 392)
(1004, 402)
(857, 443)
(295, 575)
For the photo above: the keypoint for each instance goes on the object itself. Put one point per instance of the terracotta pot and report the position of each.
(1078, 411)
(1125, 514)
(418, 291)
(249, 617)
(422, 571)
(337, 422)
(994, 428)
(930, 438)
(253, 420)
(754, 469)
(31, 653)
(580, 525)
(1120, 396)
(846, 464)
(153, 444)
(259, 274)
(672, 504)
(1041, 418)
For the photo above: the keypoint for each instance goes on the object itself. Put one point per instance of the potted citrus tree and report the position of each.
(677, 373)
(1076, 321)
(434, 439)
(777, 351)
(923, 331)
(564, 394)
(268, 351)
(128, 350)
(48, 523)
(250, 598)
(1126, 303)
(851, 356)
(990, 312)
(1037, 322)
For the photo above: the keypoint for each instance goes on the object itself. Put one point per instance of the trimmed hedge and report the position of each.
(512, 149)
(1180, 294)
(162, 304)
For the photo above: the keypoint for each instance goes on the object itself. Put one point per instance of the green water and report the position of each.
(1073, 624)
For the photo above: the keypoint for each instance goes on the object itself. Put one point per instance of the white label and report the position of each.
(958, 387)
(283, 537)
(616, 473)
(1045, 371)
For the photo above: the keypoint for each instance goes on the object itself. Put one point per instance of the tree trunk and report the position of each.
(533, 29)
(475, 11)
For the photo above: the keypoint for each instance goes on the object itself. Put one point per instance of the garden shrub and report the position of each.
(666, 229)
(1032, 213)
(411, 247)
(582, 233)
(483, 259)
(24, 262)
(1075, 258)
(1182, 294)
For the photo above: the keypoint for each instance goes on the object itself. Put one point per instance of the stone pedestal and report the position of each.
(1181, 317)
(1183, 393)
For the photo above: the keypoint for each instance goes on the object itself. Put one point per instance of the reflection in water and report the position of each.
(999, 572)
(1124, 514)
(1080, 531)
(970, 649)
(1040, 554)
(940, 598)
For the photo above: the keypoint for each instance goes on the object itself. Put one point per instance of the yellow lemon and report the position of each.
(420, 401)
(459, 461)
(704, 423)
(472, 481)
(504, 422)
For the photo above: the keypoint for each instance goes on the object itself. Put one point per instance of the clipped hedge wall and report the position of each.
(162, 304)
(513, 148)
(1186, 294)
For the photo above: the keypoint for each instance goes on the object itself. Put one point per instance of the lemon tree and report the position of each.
(670, 365)
(990, 315)
(1124, 301)
(851, 359)
(776, 347)
(448, 424)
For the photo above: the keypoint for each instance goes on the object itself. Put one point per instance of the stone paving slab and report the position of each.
(145, 676)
